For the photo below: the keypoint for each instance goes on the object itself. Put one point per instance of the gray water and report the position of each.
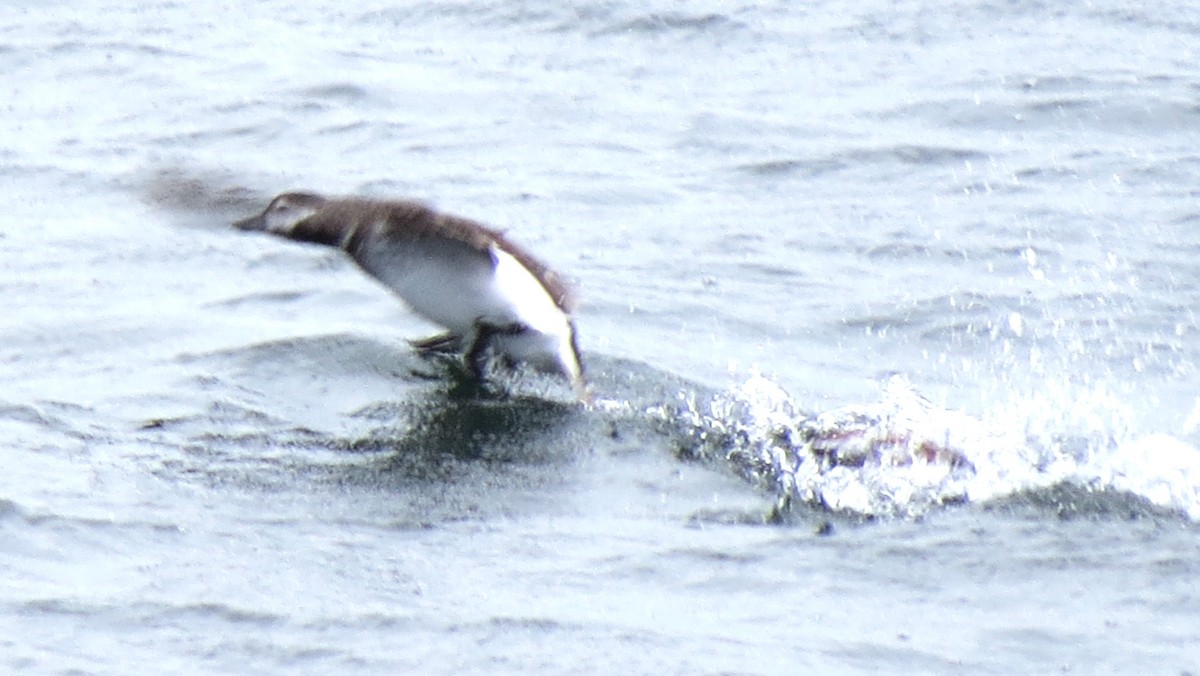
(969, 227)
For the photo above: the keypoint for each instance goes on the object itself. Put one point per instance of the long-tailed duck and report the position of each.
(487, 292)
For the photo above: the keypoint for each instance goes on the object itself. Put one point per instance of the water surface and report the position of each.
(959, 242)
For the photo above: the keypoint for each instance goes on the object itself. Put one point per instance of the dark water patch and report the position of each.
(100, 526)
(537, 624)
(804, 168)
(434, 436)
(922, 244)
(1175, 176)
(762, 516)
(10, 510)
(443, 438)
(674, 24)
(597, 19)
(27, 414)
(905, 155)
(1075, 105)
(450, 460)
(441, 454)
(338, 92)
(1112, 113)
(1192, 219)
(1057, 83)
(895, 251)
(68, 419)
(60, 607)
(295, 258)
(264, 440)
(1060, 106)
(344, 129)
(1177, 19)
(111, 49)
(716, 557)
(223, 414)
(266, 298)
(62, 176)
(488, 14)
(479, 429)
(1053, 174)
(223, 432)
(1073, 500)
(297, 105)
(151, 615)
(917, 155)
(366, 621)
(774, 272)
(154, 615)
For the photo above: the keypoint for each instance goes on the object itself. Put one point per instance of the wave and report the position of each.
(901, 456)
(342, 410)
(597, 19)
(904, 456)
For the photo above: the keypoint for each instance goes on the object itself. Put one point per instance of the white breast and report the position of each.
(458, 289)
(549, 346)
(519, 296)
(458, 296)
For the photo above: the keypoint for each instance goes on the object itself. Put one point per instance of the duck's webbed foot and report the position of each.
(437, 346)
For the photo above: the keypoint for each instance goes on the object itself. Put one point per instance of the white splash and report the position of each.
(1158, 467)
(905, 455)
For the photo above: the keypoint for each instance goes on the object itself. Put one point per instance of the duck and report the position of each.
(492, 297)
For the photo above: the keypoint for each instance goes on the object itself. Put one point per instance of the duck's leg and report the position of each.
(476, 356)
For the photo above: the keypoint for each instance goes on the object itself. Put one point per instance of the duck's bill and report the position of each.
(258, 222)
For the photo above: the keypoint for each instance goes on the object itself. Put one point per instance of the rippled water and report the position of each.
(890, 311)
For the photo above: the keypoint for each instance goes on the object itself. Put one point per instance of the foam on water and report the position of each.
(904, 455)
